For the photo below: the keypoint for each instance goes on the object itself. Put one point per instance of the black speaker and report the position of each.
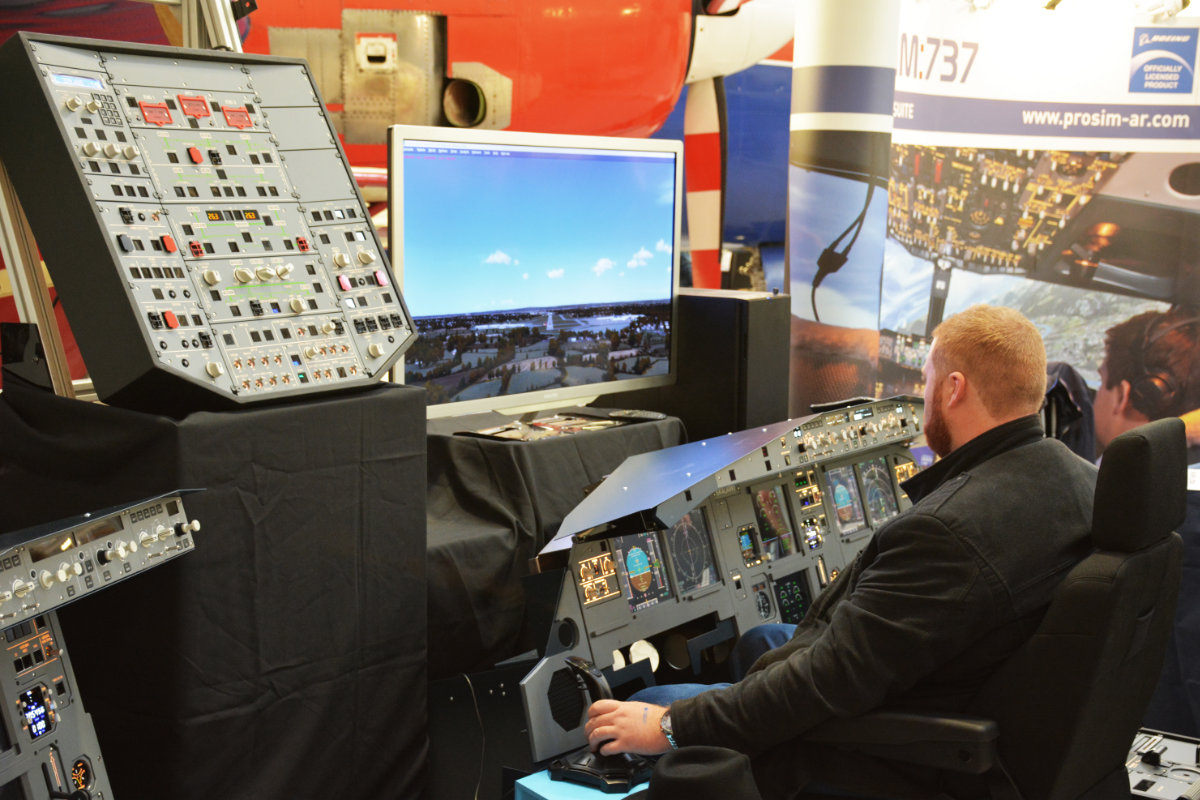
(733, 363)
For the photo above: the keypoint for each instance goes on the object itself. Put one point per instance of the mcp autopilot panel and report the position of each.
(200, 222)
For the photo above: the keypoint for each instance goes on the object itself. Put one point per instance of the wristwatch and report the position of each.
(664, 725)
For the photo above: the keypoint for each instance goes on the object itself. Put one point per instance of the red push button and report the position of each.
(195, 155)
(381, 277)
(169, 244)
(345, 283)
(171, 320)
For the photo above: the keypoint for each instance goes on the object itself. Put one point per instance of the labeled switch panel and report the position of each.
(200, 222)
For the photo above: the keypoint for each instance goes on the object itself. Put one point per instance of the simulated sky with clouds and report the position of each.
(492, 232)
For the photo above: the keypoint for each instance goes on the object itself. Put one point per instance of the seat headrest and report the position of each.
(1141, 490)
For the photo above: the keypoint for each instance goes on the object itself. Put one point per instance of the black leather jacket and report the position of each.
(941, 595)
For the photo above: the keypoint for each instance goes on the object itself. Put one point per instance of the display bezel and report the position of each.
(860, 523)
(621, 558)
(703, 529)
(773, 549)
(885, 464)
(554, 396)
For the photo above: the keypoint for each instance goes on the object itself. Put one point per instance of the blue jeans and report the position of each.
(750, 646)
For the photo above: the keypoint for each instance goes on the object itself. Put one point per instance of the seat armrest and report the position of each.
(944, 741)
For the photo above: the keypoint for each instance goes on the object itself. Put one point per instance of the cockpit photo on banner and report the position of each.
(1071, 193)
(1042, 156)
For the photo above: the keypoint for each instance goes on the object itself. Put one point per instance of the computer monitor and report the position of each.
(540, 269)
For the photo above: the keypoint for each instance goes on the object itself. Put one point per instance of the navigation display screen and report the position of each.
(691, 553)
(643, 574)
(775, 529)
(844, 491)
(878, 494)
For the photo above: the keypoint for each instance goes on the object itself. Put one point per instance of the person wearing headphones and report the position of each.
(1151, 370)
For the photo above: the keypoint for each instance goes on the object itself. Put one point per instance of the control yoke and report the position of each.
(611, 774)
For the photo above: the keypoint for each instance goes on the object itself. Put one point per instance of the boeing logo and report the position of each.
(1146, 38)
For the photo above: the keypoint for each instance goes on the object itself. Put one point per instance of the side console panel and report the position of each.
(48, 746)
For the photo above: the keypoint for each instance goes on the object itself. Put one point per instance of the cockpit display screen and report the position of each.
(643, 573)
(844, 491)
(878, 494)
(691, 553)
(774, 527)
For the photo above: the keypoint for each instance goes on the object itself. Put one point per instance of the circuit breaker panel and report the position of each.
(200, 222)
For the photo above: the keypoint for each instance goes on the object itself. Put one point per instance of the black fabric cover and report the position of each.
(285, 656)
(493, 504)
(1141, 491)
(701, 773)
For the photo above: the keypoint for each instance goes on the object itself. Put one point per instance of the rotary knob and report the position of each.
(310, 352)
(130, 152)
(73, 103)
(214, 369)
(145, 538)
(67, 570)
(375, 350)
(327, 327)
(341, 259)
(264, 273)
(296, 304)
(212, 277)
(92, 106)
(243, 275)
(90, 148)
(110, 150)
(46, 579)
(366, 257)
(283, 270)
(21, 588)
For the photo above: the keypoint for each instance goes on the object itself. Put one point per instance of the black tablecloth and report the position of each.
(285, 656)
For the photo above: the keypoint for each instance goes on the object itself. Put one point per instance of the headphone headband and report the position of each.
(1154, 392)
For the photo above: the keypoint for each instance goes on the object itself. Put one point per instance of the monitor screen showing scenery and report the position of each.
(540, 269)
